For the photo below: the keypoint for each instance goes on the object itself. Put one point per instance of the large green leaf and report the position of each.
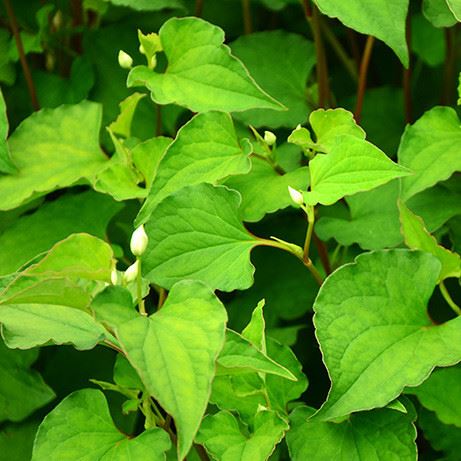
(455, 7)
(174, 352)
(439, 13)
(374, 331)
(417, 237)
(224, 441)
(429, 148)
(384, 19)
(264, 190)
(81, 427)
(6, 165)
(196, 234)
(202, 74)
(54, 221)
(52, 149)
(379, 435)
(22, 390)
(280, 62)
(206, 149)
(352, 165)
(441, 393)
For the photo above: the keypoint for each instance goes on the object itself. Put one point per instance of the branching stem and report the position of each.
(363, 75)
(446, 295)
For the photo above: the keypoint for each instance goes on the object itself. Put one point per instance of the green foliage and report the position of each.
(168, 165)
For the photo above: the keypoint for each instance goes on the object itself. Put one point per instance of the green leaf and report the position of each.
(255, 331)
(174, 352)
(441, 393)
(206, 149)
(22, 389)
(429, 149)
(378, 435)
(54, 221)
(148, 155)
(384, 19)
(81, 427)
(122, 125)
(16, 440)
(28, 325)
(125, 375)
(352, 165)
(114, 306)
(202, 74)
(148, 5)
(417, 237)
(6, 165)
(427, 42)
(455, 7)
(223, 439)
(264, 190)
(53, 149)
(280, 62)
(239, 355)
(439, 13)
(196, 234)
(378, 338)
(441, 436)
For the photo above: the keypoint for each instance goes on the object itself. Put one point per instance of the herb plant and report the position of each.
(230, 230)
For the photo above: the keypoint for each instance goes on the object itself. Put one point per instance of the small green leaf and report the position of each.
(352, 165)
(378, 435)
(280, 62)
(174, 352)
(384, 19)
(81, 427)
(374, 331)
(255, 331)
(264, 190)
(196, 234)
(441, 393)
(435, 136)
(22, 389)
(239, 355)
(202, 74)
(223, 439)
(52, 149)
(122, 125)
(6, 164)
(417, 237)
(206, 149)
(125, 375)
(28, 325)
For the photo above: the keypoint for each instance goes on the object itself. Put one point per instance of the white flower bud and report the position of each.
(114, 277)
(139, 241)
(296, 196)
(125, 61)
(131, 273)
(141, 49)
(269, 138)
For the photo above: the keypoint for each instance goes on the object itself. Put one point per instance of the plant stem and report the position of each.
(22, 55)
(450, 64)
(162, 295)
(446, 295)
(198, 8)
(158, 124)
(338, 48)
(247, 21)
(141, 305)
(310, 229)
(201, 452)
(323, 254)
(363, 74)
(322, 66)
(406, 81)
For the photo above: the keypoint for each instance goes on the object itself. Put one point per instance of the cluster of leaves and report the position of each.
(226, 145)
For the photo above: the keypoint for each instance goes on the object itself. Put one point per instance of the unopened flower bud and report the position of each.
(141, 49)
(125, 61)
(131, 273)
(269, 138)
(139, 241)
(115, 277)
(296, 196)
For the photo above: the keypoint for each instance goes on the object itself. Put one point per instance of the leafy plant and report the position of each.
(234, 234)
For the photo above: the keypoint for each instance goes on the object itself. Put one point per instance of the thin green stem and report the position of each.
(310, 229)
(363, 75)
(446, 295)
(314, 271)
(141, 305)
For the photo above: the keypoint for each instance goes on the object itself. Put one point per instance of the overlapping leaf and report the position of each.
(202, 74)
(6, 165)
